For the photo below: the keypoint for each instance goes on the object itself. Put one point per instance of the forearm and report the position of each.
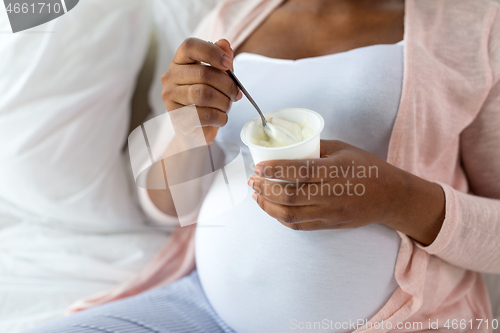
(179, 161)
(469, 235)
(420, 209)
(163, 200)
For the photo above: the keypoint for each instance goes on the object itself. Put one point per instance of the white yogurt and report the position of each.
(295, 135)
(281, 132)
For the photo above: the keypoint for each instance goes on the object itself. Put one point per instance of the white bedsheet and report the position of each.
(70, 224)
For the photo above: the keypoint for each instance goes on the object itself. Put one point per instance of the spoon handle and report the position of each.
(245, 92)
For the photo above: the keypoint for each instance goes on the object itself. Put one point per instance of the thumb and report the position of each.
(330, 147)
(226, 47)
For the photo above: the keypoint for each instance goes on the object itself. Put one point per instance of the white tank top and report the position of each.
(263, 277)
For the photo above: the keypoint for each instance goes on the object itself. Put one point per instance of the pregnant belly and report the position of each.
(263, 277)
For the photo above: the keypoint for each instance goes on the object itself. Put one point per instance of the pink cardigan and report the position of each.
(447, 131)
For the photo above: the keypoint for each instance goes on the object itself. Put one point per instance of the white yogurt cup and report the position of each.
(309, 148)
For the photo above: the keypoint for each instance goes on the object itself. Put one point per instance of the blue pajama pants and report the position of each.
(178, 307)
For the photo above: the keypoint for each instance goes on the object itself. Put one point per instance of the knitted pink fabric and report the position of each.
(447, 131)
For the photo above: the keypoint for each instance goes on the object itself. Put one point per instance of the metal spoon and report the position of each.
(265, 124)
(245, 92)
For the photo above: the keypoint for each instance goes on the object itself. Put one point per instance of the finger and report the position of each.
(212, 117)
(302, 171)
(344, 225)
(289, 194)
(210, 133)
(306, 226)
(288, 214)
(201, 95)
(226, 46)
(318, 225)
(196, 74)
(194, 50)
(171, 105)
(205, 117)
(330, 147)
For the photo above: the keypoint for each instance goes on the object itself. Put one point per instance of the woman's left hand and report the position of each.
(348, 188)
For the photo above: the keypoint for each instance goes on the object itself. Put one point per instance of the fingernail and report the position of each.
(226, 61)
(240, 95)
(250, 182)
(254, 196)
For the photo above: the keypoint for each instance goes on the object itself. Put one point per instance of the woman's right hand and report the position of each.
(187, 81)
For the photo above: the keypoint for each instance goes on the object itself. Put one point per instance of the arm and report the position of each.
(323, 197)
(462, 229)
(190, 164)
(470, 236)
(189, 82)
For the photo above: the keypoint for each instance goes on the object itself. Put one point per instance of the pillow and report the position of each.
(70, 224)
(64, 110)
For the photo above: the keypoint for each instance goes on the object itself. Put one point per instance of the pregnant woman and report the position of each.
(409, 88)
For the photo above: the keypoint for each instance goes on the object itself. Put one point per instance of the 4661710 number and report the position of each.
(33, 8)
(471, 324)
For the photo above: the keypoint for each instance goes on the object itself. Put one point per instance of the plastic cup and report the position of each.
(309, 148)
